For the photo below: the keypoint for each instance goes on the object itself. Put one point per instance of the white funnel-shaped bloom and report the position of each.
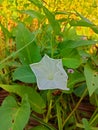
(50, 74)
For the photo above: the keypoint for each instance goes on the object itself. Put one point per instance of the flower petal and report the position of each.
(50, 74)
(45, 84)
(50, 63)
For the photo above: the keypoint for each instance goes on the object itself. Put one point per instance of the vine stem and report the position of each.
(81, 126)
(42, 122)
(15, 53)
(49, 111)
(77, 105)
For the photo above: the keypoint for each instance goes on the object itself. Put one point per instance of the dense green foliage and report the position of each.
(60, 39)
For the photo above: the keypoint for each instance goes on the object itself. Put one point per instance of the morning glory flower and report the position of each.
(50, 74)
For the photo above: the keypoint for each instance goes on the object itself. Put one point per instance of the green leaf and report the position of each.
(40, 128)
(74, 78)
(51, 18)
(95, 28)
(13, 116)
(31, 53)
(34, 98)
(24, 74)
(1, 1)
(82, 17)
(71, 62)
(69, 52)
(91, 79)
(78, 91)
(38, 3)
(70, 33)
(34, 14)
(77, 43)
(84, 22)
(86, 124)
(80, 23)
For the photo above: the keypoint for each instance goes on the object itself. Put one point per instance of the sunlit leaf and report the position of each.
(95, 28)
(84, 22)
(80, 23)
(38, 3)
(78, 43)
(33, 14)
(83, 18)
(51, 18)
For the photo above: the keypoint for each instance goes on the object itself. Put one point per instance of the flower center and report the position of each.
(50, 76)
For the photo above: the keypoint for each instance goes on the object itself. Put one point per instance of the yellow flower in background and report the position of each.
(50, 74)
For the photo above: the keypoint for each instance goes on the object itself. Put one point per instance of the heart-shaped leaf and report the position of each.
(34, 98)
(31, 53)
(91, 79)
(24, 74)
(71, 62)
(13, 116)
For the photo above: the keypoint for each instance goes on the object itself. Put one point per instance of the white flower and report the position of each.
(50, 74)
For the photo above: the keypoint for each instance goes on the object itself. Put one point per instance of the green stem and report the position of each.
(15, 53)
(96, 99)
(49, 100)
(52, 51)
(42, 122)
(49, 111)
(81, 126)
(76, 117)
(75, 107)
(94, 119)
(52, 45)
